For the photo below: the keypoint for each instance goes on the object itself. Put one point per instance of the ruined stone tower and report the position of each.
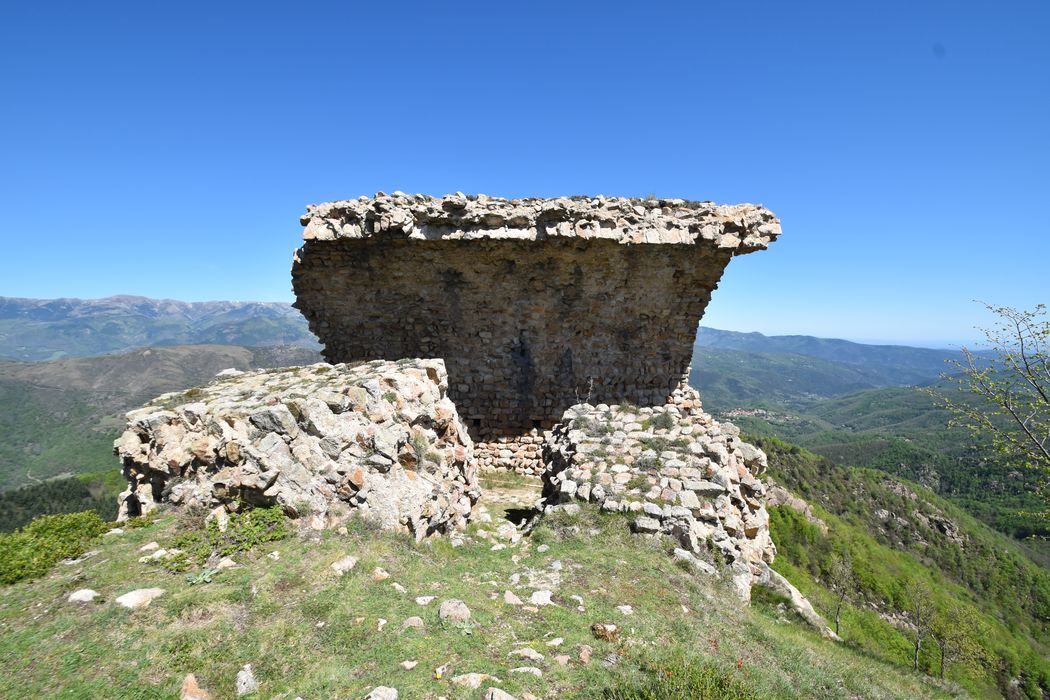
(534, 304)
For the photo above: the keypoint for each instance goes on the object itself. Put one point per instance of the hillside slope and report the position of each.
(900, 536)
(307, 631)
(61, 417)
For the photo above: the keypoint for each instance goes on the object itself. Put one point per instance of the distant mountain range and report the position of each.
(49, 329)
(875, 365)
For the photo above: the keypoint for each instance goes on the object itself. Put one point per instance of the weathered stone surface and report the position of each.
(778, 584)
(686, 475)
(139, 598)
(534, 304)
(381, 438)
(454, 611)
(84, 595)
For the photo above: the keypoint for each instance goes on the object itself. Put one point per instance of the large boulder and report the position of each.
(379, 438)
(676, 469)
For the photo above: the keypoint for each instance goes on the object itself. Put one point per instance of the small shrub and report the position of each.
(420, 445)
(245, 530)
(638, 481)
(30, 552)
(649, 464)
(662, 421)
(681, 678)
(655, 443)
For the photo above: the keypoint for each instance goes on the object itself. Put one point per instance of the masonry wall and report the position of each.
(526, 328)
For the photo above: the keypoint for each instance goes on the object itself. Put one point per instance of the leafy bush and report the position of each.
(30, 552)
(681, 678)
(244, 530)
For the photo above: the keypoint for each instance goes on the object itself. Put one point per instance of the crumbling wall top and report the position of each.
(740, 228)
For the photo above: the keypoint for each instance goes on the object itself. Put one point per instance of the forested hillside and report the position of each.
(902, 542)
(61, 417)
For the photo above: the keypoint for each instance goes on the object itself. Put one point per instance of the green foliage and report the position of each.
(681, 677)
(244, 530)
(1012, 388)
(205, 576)
(95, 491)
(30, 552)
(662, 421)
(1000, 600)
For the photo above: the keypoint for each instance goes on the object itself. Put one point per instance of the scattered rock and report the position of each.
(149, 547)
(541, 598)
(226, 563)
(562, 659)
(454, 611)
(556, 642)
(409, 665)
(382, 692)
(246, 682)
(414, 622)
(497, 694)
(140, 598)
(605, 631)
(380, 625)
(84, 595)
(341, 566)
(191, 690)
(276, 556)
(380, 574)
(527, 653)
(472, 680)
(425, 599)
(585, 651)
(532, 670)
(510, 598)
(625, 609)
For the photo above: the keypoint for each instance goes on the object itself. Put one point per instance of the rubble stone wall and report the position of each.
(535, 305)
(381, 438)
(679, 471)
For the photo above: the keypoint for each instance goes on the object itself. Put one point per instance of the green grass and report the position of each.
(311, 633)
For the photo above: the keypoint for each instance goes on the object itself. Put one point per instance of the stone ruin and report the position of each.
(534, 304)
(381, 438)
(566, 327)
(675, 469)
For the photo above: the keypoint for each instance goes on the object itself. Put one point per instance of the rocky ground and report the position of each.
(531, 611)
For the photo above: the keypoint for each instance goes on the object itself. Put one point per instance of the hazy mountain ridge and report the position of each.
(47, 329)
(880, 365)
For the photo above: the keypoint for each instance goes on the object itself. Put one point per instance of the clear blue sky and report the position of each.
(167, 149)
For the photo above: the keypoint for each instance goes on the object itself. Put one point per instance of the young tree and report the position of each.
(956, 631)
(843, 583)
(1012, 388)
(920, 614)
